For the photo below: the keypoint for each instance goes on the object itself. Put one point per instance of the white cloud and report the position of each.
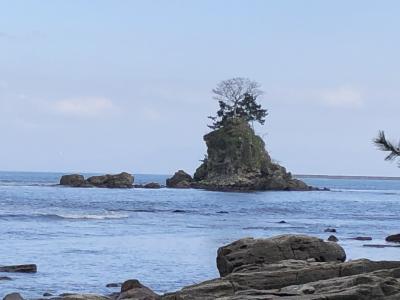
(85, 107)
(347, 97)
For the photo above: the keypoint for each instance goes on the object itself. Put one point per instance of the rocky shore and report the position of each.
(237, 160)
(285, 267)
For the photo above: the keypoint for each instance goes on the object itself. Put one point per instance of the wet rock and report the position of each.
(333, 238)
(31, 268)
(122, 180)
(134, 290)
(73, 180)
(222, 212)
(381, 246)
(179, 211)
(13, 296)
(114, 285)
(395, 238)
(181, 179)
(5, 278)
(330, 230)
(271, 250)
(282, 222)
(70, 296)
(152, 185)
(297, 280)
(47, 295)
(362, 238)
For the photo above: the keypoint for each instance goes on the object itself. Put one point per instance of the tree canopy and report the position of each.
(237, 97)
(385, 145)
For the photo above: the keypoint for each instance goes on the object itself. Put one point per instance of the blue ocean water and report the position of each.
(82, 239)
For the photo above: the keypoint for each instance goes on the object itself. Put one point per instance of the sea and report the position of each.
(85, 238)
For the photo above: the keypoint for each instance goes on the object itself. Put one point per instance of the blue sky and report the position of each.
(107, 86)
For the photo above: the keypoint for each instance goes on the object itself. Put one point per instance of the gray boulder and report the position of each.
(122, 180)
(271, 250)
(74, 180)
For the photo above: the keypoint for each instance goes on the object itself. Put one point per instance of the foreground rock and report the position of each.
(287, 267)
(264, 269)
(131, 289)
(134, 290)
(260, 251)
(122, 180)
(19, 269)
(13, 296)
(237, 160)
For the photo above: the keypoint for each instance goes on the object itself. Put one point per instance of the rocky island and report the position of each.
(237, 160)
(236, 157)
(122, 180)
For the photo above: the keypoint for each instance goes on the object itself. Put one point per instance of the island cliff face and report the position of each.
(237, 160)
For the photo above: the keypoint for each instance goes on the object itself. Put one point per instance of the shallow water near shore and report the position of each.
(84, 238)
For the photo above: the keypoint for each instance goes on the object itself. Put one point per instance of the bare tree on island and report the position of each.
(237, 97)
(385, 145)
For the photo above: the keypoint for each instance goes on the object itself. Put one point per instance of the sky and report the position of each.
(110, 86)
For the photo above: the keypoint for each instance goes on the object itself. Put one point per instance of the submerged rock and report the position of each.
(362, 238)
(31, 268)
(181, 179)
(237, 160)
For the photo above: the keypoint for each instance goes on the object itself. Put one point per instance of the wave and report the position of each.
(66, 216)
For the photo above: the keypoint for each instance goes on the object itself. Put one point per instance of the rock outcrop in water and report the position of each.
(122, 180)
(237, 160)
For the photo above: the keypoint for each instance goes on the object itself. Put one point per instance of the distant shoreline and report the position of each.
(347, 177)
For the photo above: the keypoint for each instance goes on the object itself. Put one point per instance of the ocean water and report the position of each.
(82, 239)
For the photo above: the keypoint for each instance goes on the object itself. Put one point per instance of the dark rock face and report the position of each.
(122, 180)
(74, 180)
(395, 238)
(255, 251)
(237, 160)
(19, 269)
(13, 296)
(181, 179)
(261, 270)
